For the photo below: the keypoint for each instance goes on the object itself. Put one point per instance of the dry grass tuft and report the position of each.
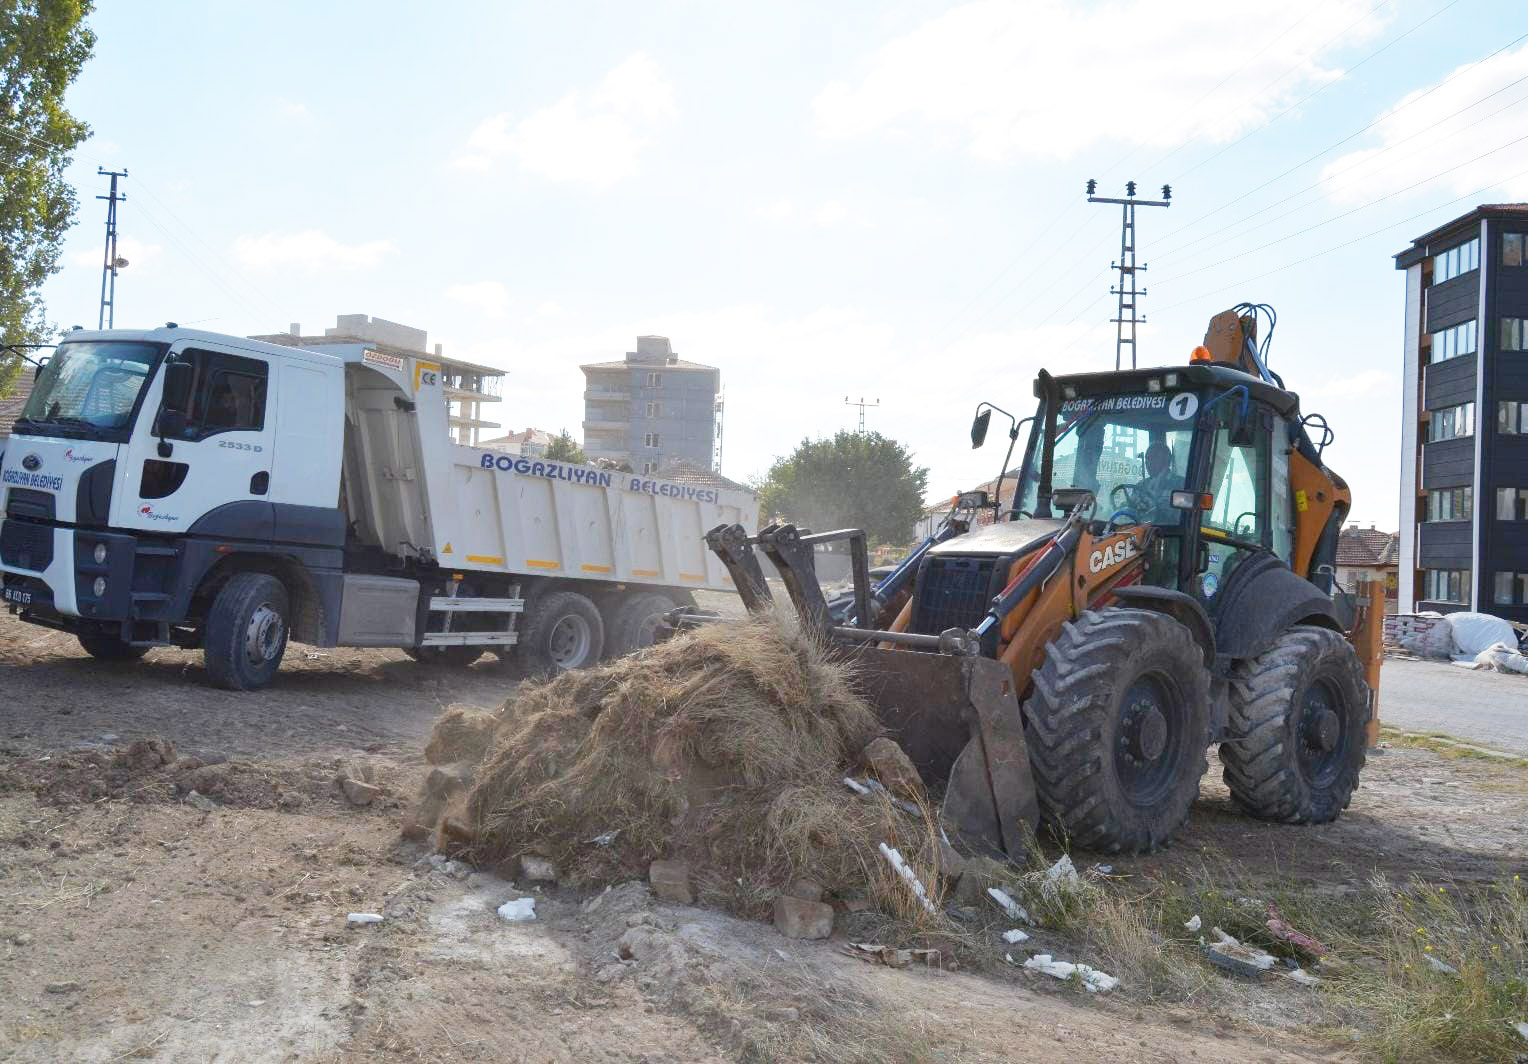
(461, 734)
(724, 747)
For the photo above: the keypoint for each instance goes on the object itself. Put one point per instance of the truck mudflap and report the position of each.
(957, 717)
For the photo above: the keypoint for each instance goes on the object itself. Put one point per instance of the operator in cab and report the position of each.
(1154, 492)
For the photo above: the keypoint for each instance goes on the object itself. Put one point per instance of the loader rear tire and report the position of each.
(561, 630)
(1117, 727)
(1298, 731)
(632, 622)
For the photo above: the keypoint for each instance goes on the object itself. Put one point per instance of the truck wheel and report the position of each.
(105, 647)
(1117, 727)
(1297, 735)
(452, 657)
(634, 622)
(562, 630)
(246, 632)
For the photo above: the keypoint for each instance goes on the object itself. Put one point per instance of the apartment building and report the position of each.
(1464, 429)
(651, 408)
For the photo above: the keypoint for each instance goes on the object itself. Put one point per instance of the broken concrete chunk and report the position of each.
(518, 911)
(891, 765)
(359, 792)
(1060, 879)
(671, 881)
(362, 919)
(1015, 936)
(806, 890)
(1005, 901)
(798, 918)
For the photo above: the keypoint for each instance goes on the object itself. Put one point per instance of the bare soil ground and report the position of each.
(135, 924)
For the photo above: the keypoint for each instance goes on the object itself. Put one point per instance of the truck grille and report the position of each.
(952, 593)
(25, 545)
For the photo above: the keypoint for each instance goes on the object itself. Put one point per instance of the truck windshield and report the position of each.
(1131, 451)
(89, 389)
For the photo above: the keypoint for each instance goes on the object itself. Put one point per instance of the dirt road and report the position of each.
(136, 924)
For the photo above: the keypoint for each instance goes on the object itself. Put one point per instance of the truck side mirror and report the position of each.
(177, 388)
(979, 428)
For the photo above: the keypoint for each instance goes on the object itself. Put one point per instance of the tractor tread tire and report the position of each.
(1257, 753)
(227, 623)
(109, 647)
(1071, 715)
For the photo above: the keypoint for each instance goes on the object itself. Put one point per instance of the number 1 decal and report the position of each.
(1183, 406)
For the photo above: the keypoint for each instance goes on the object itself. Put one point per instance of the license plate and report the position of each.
(16, 595)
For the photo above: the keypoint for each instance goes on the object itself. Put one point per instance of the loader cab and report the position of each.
(1200, 453)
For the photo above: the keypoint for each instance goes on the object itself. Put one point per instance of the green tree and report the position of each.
(43, 45)
(564, 448)
(854, 480)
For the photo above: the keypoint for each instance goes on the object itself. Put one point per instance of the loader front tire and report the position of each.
(1298, 731)
(1117, 727)
(247, 631)
(561, 630)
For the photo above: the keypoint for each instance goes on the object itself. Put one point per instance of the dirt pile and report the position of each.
(150, 770)
(724, 748)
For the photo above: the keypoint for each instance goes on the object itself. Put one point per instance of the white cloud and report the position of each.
(489, 298)
(779, 210)
(1047, 78)
(311, 250)
(138, 253)
(1422, 136)
(593, 137)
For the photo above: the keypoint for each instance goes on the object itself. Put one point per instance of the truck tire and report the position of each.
(453, 657)
(560, 630)
(633, 620)
(1117, 727)
(104, 647)
(1298, 730)
(246, 632)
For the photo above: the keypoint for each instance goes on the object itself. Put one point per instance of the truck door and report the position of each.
(178, 469)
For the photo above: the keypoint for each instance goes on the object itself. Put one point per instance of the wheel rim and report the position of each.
(1321, 740)
(647, 630)
(569, 642)
(1151, 738)
(262, 638)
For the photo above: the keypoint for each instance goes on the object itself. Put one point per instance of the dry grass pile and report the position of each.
(724, 747)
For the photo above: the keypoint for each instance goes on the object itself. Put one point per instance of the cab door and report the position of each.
(1241, 517)
(181, 467)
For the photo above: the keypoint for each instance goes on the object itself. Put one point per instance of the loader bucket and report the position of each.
(958, 719)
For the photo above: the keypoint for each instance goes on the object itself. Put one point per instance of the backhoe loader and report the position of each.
(1163, 579)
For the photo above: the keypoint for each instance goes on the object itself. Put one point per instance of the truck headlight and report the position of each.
(100, 554)
(99, 587)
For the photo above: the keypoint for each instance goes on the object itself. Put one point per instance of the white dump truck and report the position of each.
(174, 487)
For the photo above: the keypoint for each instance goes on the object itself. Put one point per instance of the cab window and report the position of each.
(227, 394)
(1237, 477)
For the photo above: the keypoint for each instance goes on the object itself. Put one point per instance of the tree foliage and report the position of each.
(43, 45)
(854, 480)
(564, 448)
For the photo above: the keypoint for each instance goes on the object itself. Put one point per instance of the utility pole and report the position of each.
(862, 408)
(1124, 332)
(111, 264)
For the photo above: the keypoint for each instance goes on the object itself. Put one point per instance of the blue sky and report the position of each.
(879, 200)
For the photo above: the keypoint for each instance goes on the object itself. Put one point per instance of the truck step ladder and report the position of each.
(444, 609)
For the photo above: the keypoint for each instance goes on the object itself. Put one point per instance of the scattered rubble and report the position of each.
(1060, 879)
(893, 957)
(671, 882)
(1005, 901)
(1233, 956)
(893, 768)
(1092, 980)
(359, 792)
(1440, 966)
(535, 869)
(1193, 923)
(67, 987)
(362, 919)
(518, 911)
(1015, 936)
(799, 918)
(1284, 933)
(907, 875)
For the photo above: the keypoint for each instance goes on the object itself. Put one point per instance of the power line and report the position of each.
(111, 262)
(1338, 143)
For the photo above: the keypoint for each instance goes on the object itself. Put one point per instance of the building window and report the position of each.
(654, 380)
(649, 468)
(1512, 418)
(654, 409)
(1512, 504)
(1511, 589)
(1512, 249)
(1452, 342)
(1450, 504)
(1447, 585)
(1456, 260)
(650, 440)
(1451, 423)
(1514, 334)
